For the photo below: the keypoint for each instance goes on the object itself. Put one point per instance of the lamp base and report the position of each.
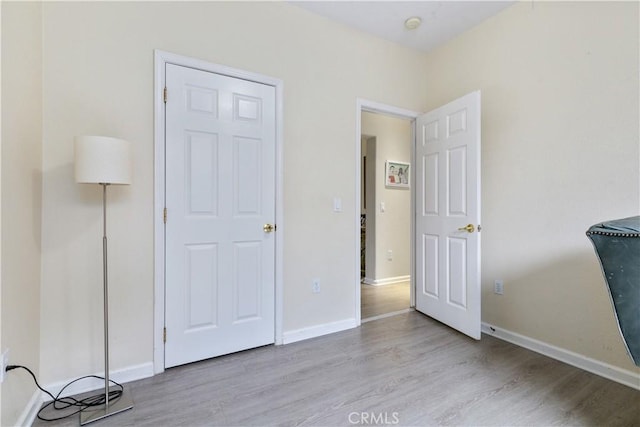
(116, 406)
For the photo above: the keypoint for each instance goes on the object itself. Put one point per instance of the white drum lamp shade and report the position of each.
(102, 160)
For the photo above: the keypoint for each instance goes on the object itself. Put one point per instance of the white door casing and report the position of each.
(447, 178)
(220, 192)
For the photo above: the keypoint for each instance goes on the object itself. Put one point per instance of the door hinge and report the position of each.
(165, 94)
(164, 215)
(164, 335)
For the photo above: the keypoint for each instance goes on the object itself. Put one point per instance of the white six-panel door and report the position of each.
(220, 194)
(448, 200)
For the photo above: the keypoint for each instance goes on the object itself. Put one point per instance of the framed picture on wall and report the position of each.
(396, 174)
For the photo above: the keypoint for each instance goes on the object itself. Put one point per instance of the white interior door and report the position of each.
(448, 214)
(220, 194)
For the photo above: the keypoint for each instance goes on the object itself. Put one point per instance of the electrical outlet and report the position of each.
(498, 287)
(4, 362)
(390, 255)
(315, 286)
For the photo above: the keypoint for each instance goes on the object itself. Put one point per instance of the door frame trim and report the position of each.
(387, 110)
(161, 58)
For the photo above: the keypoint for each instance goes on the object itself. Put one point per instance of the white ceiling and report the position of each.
(441, 20)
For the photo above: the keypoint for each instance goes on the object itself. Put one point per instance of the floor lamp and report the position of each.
(105, 161)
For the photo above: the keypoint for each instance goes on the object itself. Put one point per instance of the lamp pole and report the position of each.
(124, 401)
(106, 295)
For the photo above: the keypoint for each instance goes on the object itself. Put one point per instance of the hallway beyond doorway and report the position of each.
(379, 300)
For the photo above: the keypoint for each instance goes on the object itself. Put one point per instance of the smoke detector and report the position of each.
(412, 23)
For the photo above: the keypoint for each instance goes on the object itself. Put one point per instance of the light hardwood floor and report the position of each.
(378, 300)
(408, 366)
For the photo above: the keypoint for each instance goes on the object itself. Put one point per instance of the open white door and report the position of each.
(447, 165)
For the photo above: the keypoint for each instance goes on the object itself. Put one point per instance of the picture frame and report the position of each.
(397, 174)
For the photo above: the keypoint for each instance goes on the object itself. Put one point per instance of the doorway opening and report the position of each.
(385, 249)
(445, 184)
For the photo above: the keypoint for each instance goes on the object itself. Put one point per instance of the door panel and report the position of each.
(448, 199)
(202, 286)
(220, 191)
(202, 158)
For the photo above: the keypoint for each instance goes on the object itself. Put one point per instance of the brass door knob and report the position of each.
(468, 228)
(269, 228)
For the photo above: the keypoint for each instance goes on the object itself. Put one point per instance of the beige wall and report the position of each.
(21, 200)
(392, 227)
(560, 152)
(98, 78)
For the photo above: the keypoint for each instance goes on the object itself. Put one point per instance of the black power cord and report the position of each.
(61, 403)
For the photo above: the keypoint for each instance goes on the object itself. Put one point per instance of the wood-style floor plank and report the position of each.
(408, 368)
(378, 300)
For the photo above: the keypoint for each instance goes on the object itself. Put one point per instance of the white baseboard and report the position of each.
(125, 375)
(597, 367)
(318, 330)
(30, 412)
(386, 281)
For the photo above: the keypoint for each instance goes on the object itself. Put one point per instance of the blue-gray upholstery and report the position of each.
(617, 244)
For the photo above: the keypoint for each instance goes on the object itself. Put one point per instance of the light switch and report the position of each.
(382, 207)
(337, 204)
